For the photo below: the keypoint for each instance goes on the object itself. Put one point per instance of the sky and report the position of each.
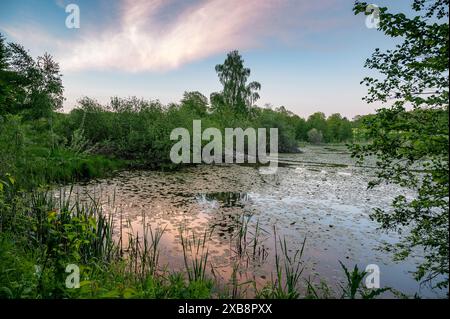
(308, 55)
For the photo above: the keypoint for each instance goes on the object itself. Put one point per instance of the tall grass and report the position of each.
(354, 287)
(53, 228)
(288, 271)
(57, 222)
(247, 242)
(143, 251)
(195, 255)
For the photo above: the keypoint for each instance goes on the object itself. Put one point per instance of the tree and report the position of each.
(236, 94)
(6, 84)
(300, 128)
(345, 130)
(28, 86)
(415, 74)
(315, 136)
(317, 121)
(50, 89)
(4, 54)
(339, 129)
(359, 127)
(195, 102)
(334, 123)
(281, 119)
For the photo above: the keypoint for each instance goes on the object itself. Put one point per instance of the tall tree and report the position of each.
(51, 88)
(28, 86)
(334, 123)
(345, 130)
(236, 94)
(317, 121)
(6, 78)
(339, 128)
(4, 53)
(412, 133)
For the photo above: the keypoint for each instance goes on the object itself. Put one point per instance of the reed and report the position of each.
(288, 271)
(195, 255)
(62, 228)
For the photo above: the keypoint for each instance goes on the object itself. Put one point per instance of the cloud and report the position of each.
(142, 41)
(61, 3)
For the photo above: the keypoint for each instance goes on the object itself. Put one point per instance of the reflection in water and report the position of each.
(320, 195)
(226, 199)
(225, 222)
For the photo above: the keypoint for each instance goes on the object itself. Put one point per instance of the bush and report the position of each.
(315, 136)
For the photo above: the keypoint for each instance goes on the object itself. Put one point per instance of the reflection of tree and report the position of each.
(225, 221)
(228, 199)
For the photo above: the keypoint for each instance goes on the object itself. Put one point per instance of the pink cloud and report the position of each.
(140, 41)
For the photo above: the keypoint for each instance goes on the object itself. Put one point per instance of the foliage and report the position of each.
(236, 94)
(412, 134)
(339, 129)
(195, 102)
(40, 145)
(315, 136)
(33, 87)
(334, 129)
(354, 287)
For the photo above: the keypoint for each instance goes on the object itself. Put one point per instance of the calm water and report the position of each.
(319, 195)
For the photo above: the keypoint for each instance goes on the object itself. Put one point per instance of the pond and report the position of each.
(318, 197)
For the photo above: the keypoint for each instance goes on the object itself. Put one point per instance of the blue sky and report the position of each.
(307, 55)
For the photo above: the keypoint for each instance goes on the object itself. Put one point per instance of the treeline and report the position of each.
(135, 127)
(36, 138)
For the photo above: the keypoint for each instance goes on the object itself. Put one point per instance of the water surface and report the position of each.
(319, 195)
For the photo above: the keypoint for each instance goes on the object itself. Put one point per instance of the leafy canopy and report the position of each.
(28, 86)
(236, 94)
(409, 135)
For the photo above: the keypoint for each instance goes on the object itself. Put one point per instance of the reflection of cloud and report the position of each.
(141, 40)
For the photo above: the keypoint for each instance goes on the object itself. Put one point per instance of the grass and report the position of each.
(354, 286)
(195, 255)
(63, 166)
(143, 252)
(288, 271)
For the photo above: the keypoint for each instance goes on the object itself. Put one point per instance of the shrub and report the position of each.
(315, 136)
